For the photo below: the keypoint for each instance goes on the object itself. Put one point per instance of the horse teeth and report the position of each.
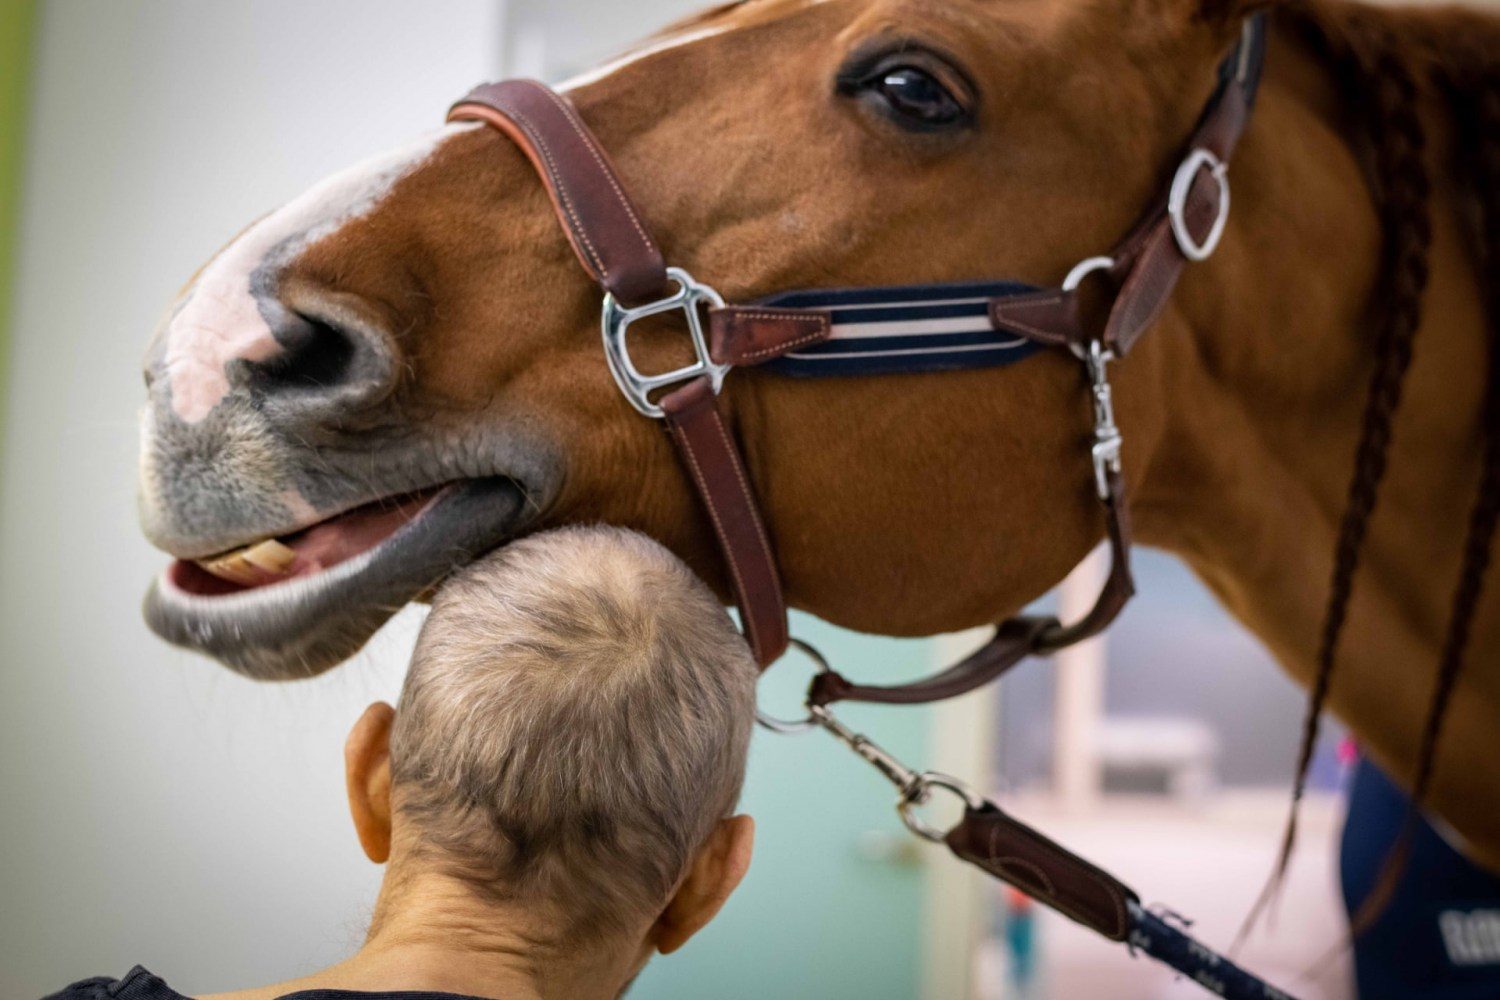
(234, 568)
(253, 564)
(271, 556)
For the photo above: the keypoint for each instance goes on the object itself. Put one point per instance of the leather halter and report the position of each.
(610, 237)
(614, 245)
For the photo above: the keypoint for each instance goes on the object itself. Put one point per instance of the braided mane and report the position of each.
(1388, 65)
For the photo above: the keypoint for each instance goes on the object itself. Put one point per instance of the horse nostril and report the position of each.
(326, 368)
(315, 356)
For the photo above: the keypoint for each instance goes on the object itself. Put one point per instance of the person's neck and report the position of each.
(432, 933)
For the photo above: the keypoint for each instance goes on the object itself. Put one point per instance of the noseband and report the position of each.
(819, 332)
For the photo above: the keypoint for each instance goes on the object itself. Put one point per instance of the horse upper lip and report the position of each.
(391, 499)
(184, 547)
(318, 547)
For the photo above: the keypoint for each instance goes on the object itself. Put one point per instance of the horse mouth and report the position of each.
(299, 604)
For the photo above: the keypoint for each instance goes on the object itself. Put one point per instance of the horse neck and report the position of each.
(1265, 369)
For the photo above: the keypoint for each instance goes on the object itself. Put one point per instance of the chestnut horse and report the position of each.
(401, 368)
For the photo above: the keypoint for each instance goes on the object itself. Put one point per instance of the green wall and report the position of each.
(17, 23)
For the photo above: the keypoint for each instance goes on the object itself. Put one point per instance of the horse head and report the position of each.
(401, 368)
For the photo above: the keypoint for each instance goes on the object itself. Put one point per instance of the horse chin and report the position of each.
(314, 620)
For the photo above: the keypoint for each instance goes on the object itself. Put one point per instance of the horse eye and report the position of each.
(916, 95)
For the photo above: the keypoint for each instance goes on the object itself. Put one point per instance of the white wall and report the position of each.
(552, 39)
(141, 789)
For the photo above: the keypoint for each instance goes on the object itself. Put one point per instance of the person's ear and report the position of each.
(367, 776)
(715, 873)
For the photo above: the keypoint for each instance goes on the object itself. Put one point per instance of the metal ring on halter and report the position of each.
(1085, 268)
(1182, 187)
(916, 794)
(1075, 278)
(790, 727)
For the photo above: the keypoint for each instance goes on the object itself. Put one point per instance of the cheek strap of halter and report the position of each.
(616, 249)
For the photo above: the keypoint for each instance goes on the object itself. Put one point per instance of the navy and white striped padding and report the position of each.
(918, 328)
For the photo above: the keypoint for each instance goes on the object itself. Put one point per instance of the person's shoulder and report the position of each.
(137, 984)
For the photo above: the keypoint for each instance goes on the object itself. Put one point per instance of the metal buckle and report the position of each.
(1085, 268)
(1107, 438)
(617, 320)
(915, 787)
(1182, 186)
(920, 791)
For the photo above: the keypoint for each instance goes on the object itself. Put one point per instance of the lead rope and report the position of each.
(992, 841)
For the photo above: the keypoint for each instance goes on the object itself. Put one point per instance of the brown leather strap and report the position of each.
(713, 462)
(1149, 262)
(1119, 586)
(604, 227)
(748, 335)
(1015, 853)
(1013, 641)
(1047, 316)
(611, 241)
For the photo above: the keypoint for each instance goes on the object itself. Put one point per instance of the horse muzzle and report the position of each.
(298, 605)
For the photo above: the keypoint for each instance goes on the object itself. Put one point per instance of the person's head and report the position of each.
(570, 745)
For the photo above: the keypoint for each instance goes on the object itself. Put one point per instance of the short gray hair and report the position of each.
(574, 724)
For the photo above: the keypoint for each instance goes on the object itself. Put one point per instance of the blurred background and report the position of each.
(156, 809)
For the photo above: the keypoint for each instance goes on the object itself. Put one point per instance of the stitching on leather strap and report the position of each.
(540, 142)
(609, 175)
(703, 487)
(739, 475)
(1085, 869)
(994, 853)
(821, 322)
(1057, 901)
(1021, 864)
(998, 315)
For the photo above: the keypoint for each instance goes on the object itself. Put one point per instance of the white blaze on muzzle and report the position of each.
(220, 319)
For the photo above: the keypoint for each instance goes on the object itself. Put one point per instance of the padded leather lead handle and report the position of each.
(1015, 853)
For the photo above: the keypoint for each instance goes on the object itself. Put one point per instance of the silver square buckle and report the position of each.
(689, 298)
